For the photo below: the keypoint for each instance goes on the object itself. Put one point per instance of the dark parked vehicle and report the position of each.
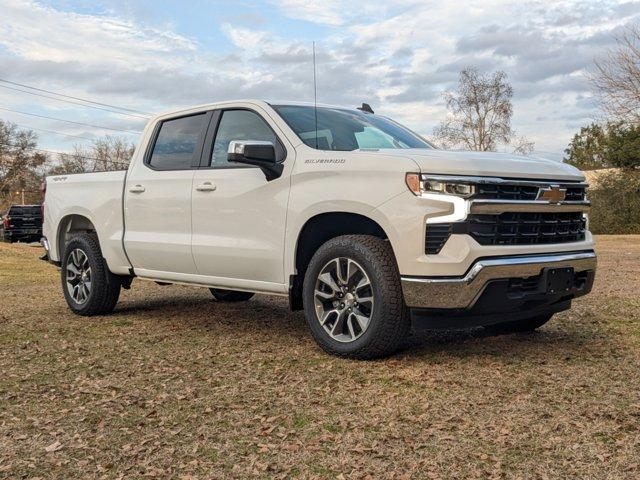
(23, 223)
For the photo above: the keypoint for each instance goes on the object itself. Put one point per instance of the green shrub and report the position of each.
(615, 203)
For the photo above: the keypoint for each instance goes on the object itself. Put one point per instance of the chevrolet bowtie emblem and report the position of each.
(552, 194)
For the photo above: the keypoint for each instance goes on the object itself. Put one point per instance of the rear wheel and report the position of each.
(353, 298)
(230, 295)
(518, 326)
(88, 285)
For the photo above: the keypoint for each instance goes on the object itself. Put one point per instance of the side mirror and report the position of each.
(258, 153)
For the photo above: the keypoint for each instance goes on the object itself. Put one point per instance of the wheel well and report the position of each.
(317, 231)
(69, 226)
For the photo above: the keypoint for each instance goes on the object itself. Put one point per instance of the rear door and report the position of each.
(239, 217)
(158, 198)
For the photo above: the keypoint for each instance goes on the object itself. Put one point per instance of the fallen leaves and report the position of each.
(194, 389)
(54, 447)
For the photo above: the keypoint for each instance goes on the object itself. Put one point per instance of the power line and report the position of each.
(144, 117)
(55, 132)
(72, 97)
(70, 121)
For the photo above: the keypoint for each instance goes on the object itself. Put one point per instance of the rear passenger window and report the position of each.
(177, 143)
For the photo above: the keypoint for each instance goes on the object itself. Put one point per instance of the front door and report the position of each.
(238, 216)
(157, 198)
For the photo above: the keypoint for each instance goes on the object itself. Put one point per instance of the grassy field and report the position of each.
(175, 385)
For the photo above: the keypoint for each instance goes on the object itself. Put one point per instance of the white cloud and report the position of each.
(329, 12)
(398, 56)
(36, 32)
(337, 12)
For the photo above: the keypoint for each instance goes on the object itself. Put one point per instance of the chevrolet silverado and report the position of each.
(359, 221)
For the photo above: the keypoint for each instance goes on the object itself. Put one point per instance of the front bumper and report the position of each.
(464, 291)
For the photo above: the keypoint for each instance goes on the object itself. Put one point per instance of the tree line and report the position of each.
(614, 142)
(23, 166)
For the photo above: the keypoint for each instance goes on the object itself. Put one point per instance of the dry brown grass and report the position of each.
(174, 385)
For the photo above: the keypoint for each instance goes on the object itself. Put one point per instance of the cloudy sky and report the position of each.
(398, 55)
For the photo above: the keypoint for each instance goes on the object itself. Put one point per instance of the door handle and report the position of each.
(137, 189)
(206, 187)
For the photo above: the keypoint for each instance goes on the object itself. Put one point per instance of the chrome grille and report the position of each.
(505, 192)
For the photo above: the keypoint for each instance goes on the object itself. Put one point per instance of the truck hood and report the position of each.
(492, 164)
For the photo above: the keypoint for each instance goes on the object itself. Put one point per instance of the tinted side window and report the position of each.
(238, 125)
(177, 143)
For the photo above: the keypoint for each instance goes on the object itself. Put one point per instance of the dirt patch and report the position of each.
(175, 385)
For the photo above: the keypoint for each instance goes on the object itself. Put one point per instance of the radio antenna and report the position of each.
(315, 93)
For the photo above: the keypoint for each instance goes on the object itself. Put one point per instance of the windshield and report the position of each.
(345, 130)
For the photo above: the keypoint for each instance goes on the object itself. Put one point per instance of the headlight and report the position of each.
(420, 185)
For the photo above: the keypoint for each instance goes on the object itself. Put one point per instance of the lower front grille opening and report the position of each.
(522, 286)
(437, 236)
(580, 280)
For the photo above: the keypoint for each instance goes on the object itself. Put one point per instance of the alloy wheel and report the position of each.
(78, 276)
(343, 299)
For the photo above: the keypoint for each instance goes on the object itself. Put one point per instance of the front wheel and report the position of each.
(518, 326)
(353, 298)
(88, 285)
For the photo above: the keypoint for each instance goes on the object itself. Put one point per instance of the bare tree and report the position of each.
(20, 165)
(522, 146)
(480, 114)
(74, 162)
(617, 78)
(105, 154)
(111, 153)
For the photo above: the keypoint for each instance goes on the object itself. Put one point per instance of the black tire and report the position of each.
(222, 295)
(518, 326)
(388, 323)
(105, 286)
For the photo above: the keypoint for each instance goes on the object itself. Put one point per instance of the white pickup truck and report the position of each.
(358, 220)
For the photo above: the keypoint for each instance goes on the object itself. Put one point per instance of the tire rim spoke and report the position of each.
(365, 299)
(363, 321)
(343, 299)
(328, 280)
(350, 326)
(72, 272)
(339, 324)
(364, 282)
(327, 316)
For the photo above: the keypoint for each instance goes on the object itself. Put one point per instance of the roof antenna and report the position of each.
(315, 93)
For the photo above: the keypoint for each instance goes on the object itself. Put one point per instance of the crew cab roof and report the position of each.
(227, 103)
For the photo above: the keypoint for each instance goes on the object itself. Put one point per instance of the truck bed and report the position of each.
(98, 197)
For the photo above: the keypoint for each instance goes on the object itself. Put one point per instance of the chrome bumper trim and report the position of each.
(45, 243)
(463, 292)
(501, 206)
